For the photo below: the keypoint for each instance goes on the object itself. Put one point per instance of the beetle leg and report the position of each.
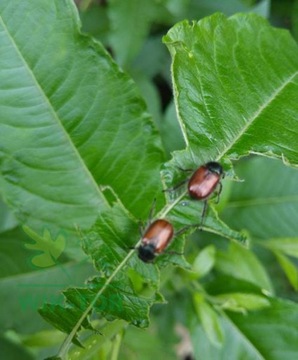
(203, 214)
(185, 228)
(172, 252)
(177, 186)
(186, 170)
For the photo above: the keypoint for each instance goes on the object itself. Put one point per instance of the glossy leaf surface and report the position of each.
(233, 78)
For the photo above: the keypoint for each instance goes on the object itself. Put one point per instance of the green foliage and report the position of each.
(81, 162)
(251, 76)
(49, 249)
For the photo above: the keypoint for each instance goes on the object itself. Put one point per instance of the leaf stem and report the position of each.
(67, 342)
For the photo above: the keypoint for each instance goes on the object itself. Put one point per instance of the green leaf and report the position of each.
(43, 338)
(242, 263)
(287, 246)
(187, 212)
(209, 319)
(24, 292)
(289, 268)
(223, 284)
(269, 334)
(130, 22)
(295, 20)
(273, 330)
(170, 130)
(50, 248)
(240, 302)
(7, 219)
(72, 129)
(13, 256)
(233, 78)
(109, 241)
(138, 343)
(116, 301)
(152, 58)
(204, 7)
(95, 21)
(94, 343)
(204, 262)
(11, 350)
(266, 204)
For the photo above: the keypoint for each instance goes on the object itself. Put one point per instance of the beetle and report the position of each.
(204, 181)
(155, 240)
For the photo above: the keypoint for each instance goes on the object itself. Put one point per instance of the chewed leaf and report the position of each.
(117, 300)
(233, 78)
(49, 249)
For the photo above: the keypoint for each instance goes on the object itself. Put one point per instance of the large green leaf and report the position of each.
(267, 334)
(66, 130)
(65, 127)
(23, 293)
(11, 350)
(7, 219)
(235, 83)
(266, 204)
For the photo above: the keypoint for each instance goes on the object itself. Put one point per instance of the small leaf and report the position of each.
(204, 262)
(289, 268)
(241, 302)
(243, 264)
(287, 246)
(209, 319)
(50, 248)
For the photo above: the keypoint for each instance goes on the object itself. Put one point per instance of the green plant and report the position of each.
(80, 162)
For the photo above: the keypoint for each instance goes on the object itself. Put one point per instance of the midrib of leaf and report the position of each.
(256, 114)
(67, 342)
(52, 110)
(263, 201)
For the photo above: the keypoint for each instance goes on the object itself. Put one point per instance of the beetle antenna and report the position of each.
(185, 170)
(185, 228)
(203, 215)
(219, 192)
(150, 216)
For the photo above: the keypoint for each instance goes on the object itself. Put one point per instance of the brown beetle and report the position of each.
(203, 183)
(205, 180)
(155, 240)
